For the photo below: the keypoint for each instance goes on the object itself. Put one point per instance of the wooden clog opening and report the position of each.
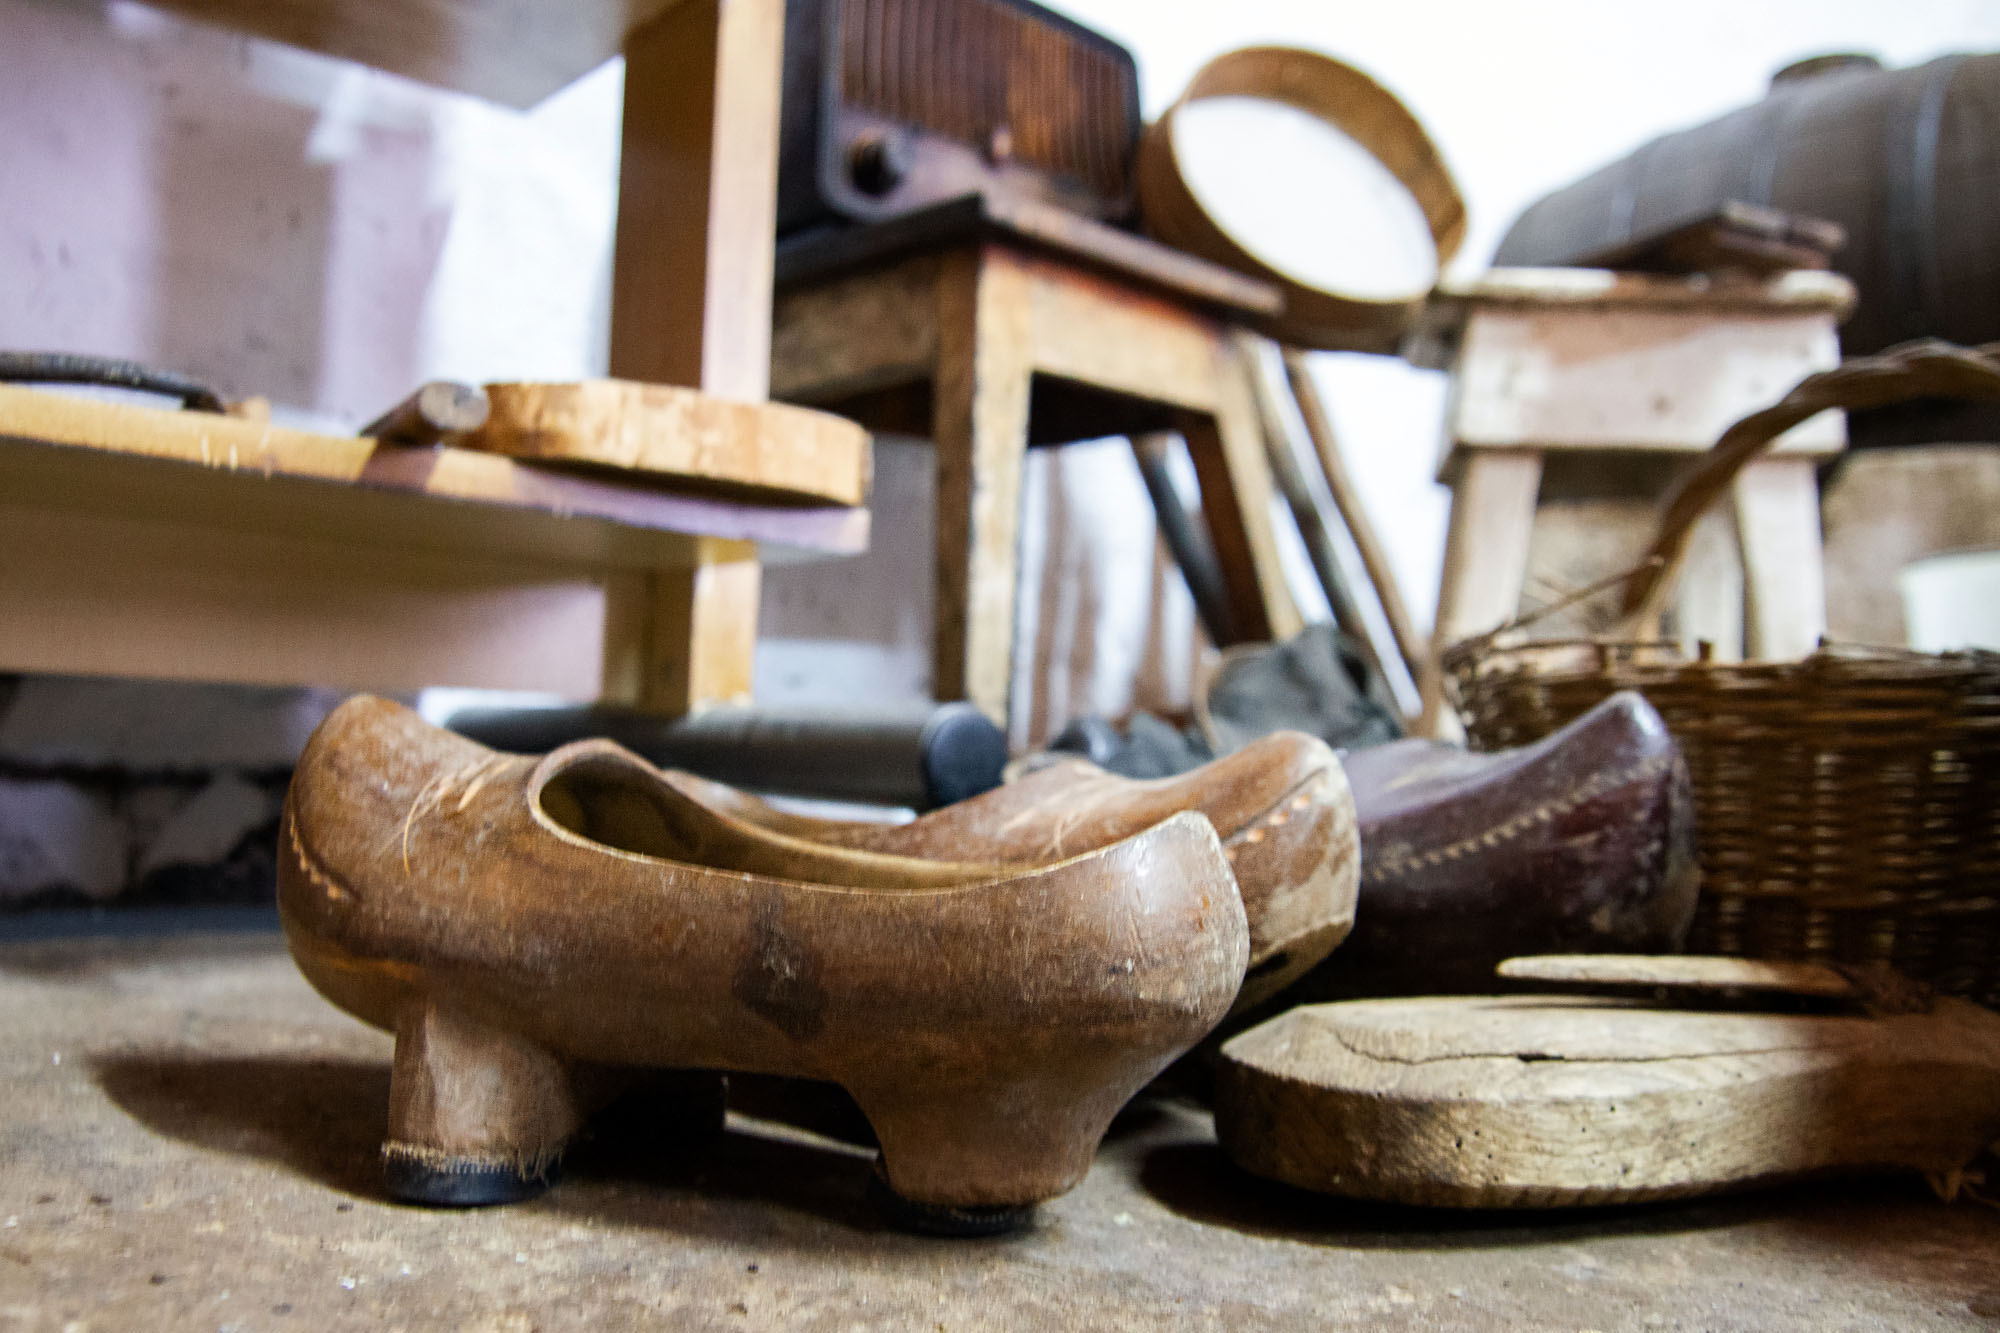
(600, 792)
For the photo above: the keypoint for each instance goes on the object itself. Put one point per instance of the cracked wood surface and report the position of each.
(1537, 1101)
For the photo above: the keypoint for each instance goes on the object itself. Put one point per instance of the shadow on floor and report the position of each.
(636, 1165)
(1199, 1182)
(321, 1119)
(648, 1167)
(827, 1110)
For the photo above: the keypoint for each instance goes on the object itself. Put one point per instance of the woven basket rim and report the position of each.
(1561, 658)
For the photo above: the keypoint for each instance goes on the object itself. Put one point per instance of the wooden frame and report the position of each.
(691, 289)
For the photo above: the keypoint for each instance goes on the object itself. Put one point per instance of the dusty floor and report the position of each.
(188, 1137)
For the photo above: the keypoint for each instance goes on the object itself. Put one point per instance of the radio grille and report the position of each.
(999, 77)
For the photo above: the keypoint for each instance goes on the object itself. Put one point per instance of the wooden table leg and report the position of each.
(691, 295)
(653, 656)
(1784, 580)
(1228, 452)
(1485, 556)
(980, 426)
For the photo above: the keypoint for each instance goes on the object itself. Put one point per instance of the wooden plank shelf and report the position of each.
(184, 545)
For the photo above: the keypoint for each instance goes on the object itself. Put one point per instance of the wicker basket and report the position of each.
(1849, 803)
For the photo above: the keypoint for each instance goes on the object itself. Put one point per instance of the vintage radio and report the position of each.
(890, 105)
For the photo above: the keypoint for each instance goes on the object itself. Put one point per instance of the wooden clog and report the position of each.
(1280, 805)
(1584, 841)
(1540, 1100)
(516, 920)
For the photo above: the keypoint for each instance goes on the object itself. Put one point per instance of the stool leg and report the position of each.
(980, 426)
(1784, 582)
(1485, 556)
(678, 640)
(705, 630)
(1235, 474)
(691, 304)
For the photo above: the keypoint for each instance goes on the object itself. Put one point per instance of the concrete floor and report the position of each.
(188, 1139)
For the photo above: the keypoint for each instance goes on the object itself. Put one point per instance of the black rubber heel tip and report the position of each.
(459, 1183)
(940, 1219)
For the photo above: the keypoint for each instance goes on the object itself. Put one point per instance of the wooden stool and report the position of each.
(1581, 362)
(990, 326)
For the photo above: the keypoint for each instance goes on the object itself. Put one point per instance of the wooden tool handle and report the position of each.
(1414, 648)
(439, 409)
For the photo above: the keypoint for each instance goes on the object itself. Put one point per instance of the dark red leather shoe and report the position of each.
(1581, 843)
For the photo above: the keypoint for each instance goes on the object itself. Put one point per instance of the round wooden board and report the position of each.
(1542, 1100)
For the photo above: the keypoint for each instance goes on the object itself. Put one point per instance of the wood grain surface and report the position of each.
(77, 453)
(682, 434)
(818, 255)
(1697, 972)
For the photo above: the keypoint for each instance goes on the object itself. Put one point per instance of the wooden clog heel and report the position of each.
(476, 1114)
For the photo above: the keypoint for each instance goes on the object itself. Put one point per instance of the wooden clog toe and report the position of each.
(1583, 841)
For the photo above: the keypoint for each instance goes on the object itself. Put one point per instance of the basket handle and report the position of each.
(1926, 368)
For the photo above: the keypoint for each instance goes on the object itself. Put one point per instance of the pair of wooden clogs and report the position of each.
(991, 983)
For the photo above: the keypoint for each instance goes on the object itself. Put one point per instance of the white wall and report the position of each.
(288, 225)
